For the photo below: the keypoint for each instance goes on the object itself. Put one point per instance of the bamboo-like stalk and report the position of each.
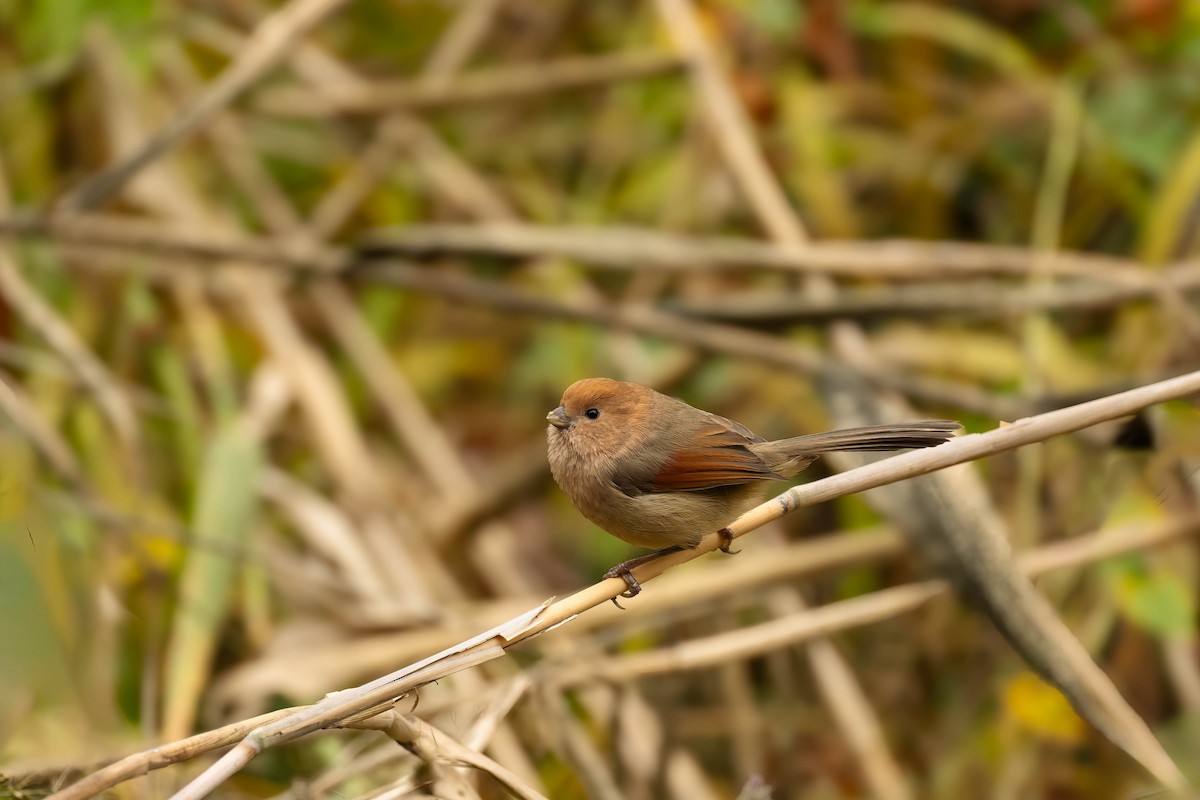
(379, 694)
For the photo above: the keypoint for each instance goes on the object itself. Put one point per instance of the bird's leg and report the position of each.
(726, 540)
(623, 571)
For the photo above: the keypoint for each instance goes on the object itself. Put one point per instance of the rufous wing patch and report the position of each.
(716, 456)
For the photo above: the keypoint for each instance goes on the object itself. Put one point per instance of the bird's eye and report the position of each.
(592, 413)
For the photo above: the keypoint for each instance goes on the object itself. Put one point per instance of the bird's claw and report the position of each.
(726, 540)
(633, 587)
(624, 571)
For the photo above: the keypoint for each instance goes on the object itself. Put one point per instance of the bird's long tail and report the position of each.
(786, 457)
(876, 437)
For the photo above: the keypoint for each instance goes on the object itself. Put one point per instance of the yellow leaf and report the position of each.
(1039, 708)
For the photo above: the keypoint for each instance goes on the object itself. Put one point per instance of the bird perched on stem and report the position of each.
(656, 472)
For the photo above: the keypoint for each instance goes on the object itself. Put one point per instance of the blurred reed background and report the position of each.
(228, 485)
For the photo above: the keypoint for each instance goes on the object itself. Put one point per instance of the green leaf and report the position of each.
(225, 503)
(1159, 602)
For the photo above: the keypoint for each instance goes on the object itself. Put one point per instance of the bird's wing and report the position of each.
(735, 427)
(716, 454)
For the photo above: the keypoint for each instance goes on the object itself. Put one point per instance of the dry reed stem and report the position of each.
(412, 423)
(343, 204)
(42, 318)
(855, 717)
(628, 248)
(34, 361)
(455, 180)
(138, 764)
(598, 780)
(615, 247)
(735, 136)
(413, 570)
(337, 708)
(90, 371)
(269, 43)
(328, 532)
(493, 86)
(803, 625)
(490, 644)
(172, 238)
(752, 571)
(234, 152)
(341, 448)
(709, 337)
(849, 706)
(103, 231)
(485, 727)
(24, 415)
(437, 749)
(712, 337)
(335, 432)
(783, 222)
(978, 300)
(954, 505)
(223, 150)
(731, 124)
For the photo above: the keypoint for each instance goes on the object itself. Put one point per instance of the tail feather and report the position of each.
(876, 437)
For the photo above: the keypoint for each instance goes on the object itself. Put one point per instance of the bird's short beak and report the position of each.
(558, 418)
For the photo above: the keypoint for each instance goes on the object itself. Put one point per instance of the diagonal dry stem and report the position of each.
(380, 692)
(271, 41)
(436, 748)
(804, 625)
(949, 514)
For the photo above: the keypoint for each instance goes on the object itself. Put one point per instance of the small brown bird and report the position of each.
(656, 472)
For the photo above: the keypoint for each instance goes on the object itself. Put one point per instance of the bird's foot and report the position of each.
(726, 540)
(624, 571)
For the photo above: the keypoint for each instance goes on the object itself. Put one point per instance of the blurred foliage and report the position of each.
(220, 559)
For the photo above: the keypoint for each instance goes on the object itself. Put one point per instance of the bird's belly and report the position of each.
(667, 519)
